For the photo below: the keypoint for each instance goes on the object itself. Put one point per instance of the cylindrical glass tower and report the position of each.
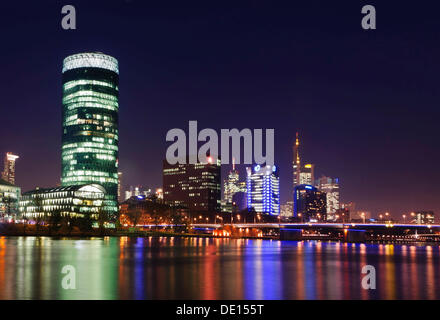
(90, 123)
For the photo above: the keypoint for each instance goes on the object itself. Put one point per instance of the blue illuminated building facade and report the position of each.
(309, 204)
(263, 189)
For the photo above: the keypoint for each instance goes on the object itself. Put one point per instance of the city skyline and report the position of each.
(376, 149)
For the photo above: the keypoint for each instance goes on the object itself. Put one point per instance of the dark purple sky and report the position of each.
(366, 103)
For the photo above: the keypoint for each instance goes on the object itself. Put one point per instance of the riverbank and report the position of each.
(31, 231)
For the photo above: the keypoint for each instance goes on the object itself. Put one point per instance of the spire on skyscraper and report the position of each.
(296, 164)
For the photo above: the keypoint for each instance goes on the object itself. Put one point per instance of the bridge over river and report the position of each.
(350, 232)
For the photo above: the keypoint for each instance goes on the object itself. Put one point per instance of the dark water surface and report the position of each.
(201, 268)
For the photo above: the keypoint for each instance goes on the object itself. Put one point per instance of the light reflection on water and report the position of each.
(203, 268)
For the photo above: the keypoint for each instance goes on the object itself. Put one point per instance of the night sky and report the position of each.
(366, 103)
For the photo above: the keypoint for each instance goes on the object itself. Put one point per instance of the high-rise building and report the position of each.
(196, 187)
(307, 174)
(263, 189)
(331, 188)
(309, 203)
(231, 185)
(9, 197)
(119, 186)
(9, 168)
(301, 174)
(296, 163)
(90, 124)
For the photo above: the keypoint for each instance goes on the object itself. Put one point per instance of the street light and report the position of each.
(404, 218)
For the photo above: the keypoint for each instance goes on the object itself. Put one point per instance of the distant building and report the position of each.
(423, 217)
(331, 188)
(307, 174)
(349, 208)
(159, 193)
(309, 203)
(75, 201)
(287, 209)
(360, 216)
(231, 185)
(239, 202)
(119, 186)
(8, 174)
(137, 191)
(194, 186)
(342, 215)
(263, 189)
(9, 198)
(147, 210)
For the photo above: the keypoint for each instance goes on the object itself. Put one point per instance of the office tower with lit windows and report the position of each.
(9, 198)
(196, 187)
(119, 186)
(9, 168)
(287, 209)
(331, 188)
(307, 174)
(263, 189)
(90, 124)
(232, 185)
(76, 201)
(309, 204)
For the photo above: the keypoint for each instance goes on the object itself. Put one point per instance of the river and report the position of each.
(208, 268)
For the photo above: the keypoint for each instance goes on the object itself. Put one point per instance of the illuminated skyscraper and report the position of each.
(9, 197)
(119, 186)
(9, 168)
(90, 123)
(307, 174)
(331, 188)
(232, 185)
(196, 187)
(309, 204)
(263, 189)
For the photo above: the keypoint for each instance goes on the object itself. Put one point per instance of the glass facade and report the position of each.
(90, 124)
(75, 201)
(9, 197)
(331, 188)
(309, 204)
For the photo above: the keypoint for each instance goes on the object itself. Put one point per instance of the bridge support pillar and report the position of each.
(290, 234)
(354, 235)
